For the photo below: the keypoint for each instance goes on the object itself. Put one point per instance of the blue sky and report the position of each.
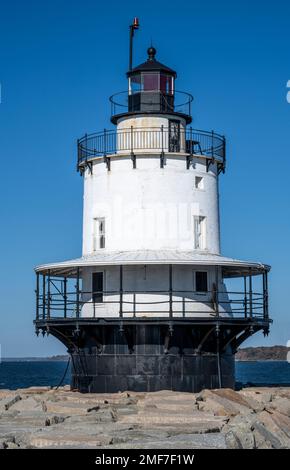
(59, 63)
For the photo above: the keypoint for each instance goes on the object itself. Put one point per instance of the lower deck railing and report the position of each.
(89, 304)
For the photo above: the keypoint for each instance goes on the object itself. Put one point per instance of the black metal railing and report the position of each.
(56, 302)
(152, 100)
(152, 139)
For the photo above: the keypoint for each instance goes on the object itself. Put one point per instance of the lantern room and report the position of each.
(151, 90)
(151, 86)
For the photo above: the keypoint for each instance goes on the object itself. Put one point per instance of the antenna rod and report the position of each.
(133, 26)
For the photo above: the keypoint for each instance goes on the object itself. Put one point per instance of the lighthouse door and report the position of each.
(174, 136)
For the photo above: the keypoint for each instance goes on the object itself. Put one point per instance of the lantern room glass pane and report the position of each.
(150, 81)
(135, 84)
(166, 84)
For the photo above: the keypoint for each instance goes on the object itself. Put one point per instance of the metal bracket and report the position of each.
(108, 162)
(133, 158)
(209, 161)
(90, 167)
(188, 161)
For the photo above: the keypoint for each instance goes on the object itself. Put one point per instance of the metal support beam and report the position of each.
(78, 293)
(245, 297)
(251, 293)
(43, 296)
(121, 291)
(217, 332)
(217, 290)
(133, 156)
(170, 292)
(48, 295)
(37, 296)
(65, 296)
(267, 296)
(162, 158)
(204, 338)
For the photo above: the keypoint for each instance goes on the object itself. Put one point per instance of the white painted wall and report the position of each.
(152, 278)
(150, 207)
(146, 132)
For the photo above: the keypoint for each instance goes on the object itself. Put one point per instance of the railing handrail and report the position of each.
(126, 93)
(208, 144)
(52, 302)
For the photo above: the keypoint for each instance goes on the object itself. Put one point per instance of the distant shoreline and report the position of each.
(276, 353)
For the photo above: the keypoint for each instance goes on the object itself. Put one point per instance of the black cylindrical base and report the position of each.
(150, 358)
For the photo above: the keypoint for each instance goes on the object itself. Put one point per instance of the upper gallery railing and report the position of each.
(178, 102)
(161, 140)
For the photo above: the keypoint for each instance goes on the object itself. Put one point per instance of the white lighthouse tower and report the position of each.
(146, 306)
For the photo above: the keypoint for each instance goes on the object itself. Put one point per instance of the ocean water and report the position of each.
(22, 374)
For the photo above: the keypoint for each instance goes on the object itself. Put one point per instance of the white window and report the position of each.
(199, 182)
(199, 232)
(99, 233)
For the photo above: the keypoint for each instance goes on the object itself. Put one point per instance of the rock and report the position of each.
(67, 409)
(238, 432)
(260, 394)
(6, 403)
(232, 441)
(62, 440)
(33, 390)
(223, 418)
(182, 441)
(27, 404)
(219, 404)
(11, 445)
(54, 420)
(280, 404)
(278, 425)
(195, 421)
(264, 438)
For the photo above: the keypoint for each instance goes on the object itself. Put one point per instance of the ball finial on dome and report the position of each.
(151, 51)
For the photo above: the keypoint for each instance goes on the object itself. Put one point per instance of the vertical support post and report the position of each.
(251, 292)
(131, 140)
(218, 356)
(189, 157)
(245, 297)
(162, 148)
(37, 296)
(121, 291)
(133, 156)
(191, 142)
(217, 290)
(224, 154)
(212, 146)
(134, 305)
(265, 295)
(86, 146)
(43, 296)
(65, 296)
(48, 295)
(105, 142)
(78, 293)
(170, 292)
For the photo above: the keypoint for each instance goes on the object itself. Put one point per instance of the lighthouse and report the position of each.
(151, 303)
